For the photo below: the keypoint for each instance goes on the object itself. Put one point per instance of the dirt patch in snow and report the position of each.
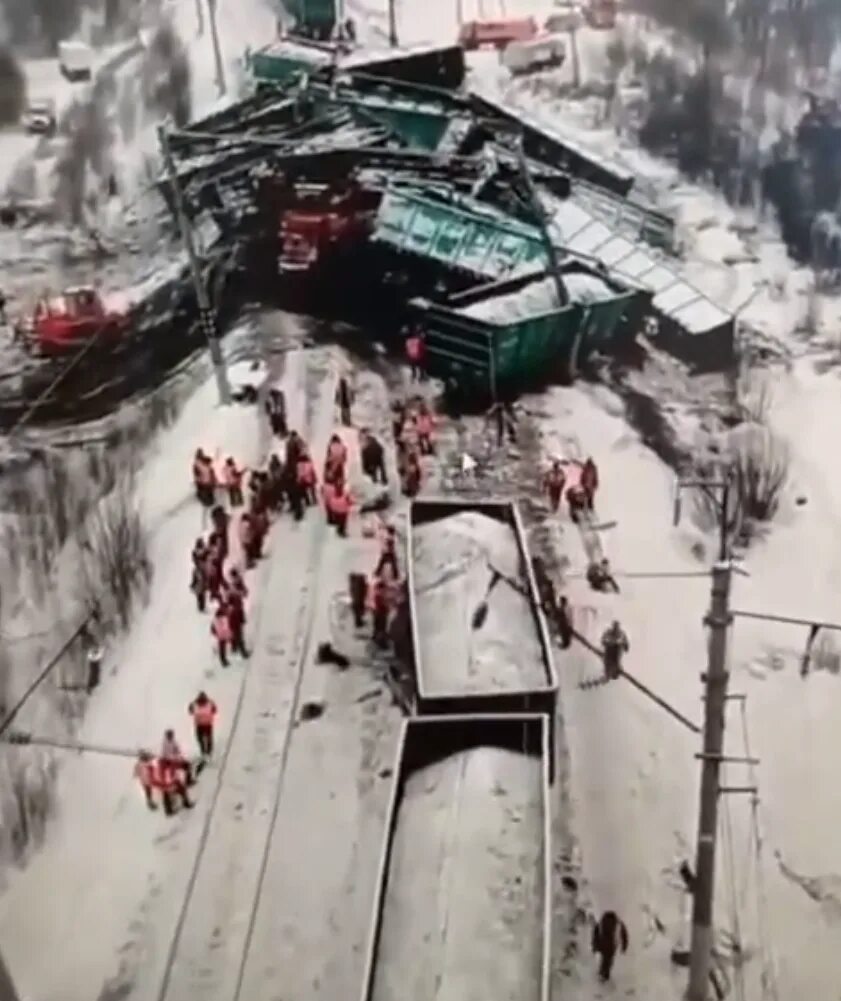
(454, 562)
(463, 910)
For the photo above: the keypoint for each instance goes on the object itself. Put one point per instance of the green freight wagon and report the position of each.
(313, 18)
(494, 341)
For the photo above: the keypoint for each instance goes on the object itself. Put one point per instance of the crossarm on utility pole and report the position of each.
(22, 739)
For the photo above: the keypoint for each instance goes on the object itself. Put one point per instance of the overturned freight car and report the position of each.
(468, 834)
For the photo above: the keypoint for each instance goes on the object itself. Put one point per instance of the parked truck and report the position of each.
(75, 60)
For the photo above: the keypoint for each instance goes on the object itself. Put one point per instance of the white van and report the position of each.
(529, 57)
(75, 60)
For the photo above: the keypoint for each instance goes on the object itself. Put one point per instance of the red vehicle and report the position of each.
(475, 34)
(64, 323)
(601, 13)
(323, 221)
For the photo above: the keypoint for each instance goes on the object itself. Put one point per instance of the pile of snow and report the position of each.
(454, 560)
(539, 298)
(469, 845)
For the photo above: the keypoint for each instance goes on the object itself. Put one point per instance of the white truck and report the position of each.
(75, 60)
(530, 57)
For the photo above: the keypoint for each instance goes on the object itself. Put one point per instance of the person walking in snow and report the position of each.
(232, 480)
(276, 412)
(220, 520)
(144, 772)
(173, 756)
(411, 474)
(372, 457)
(388, 553)
(340, 507)
(171, 785)
(198, 585)
(425, 426)
(344, 401)
(203, 710)
(379, 601)
(614, 646)
(220, 629)
(589, 482)
(235, 609)
(358, 588)
(505, 420)
(554, 483)
(306, 478)
(563, 622)
(609, 936)
(415, 351)
(600, 577)
(204, 478)
(335, 460)
(276, 481)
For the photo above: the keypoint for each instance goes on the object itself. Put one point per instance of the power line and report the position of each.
(42, 677)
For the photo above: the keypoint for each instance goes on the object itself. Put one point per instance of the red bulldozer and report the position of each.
(62, 324)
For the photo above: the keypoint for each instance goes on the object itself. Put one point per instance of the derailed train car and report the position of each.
(468, 835)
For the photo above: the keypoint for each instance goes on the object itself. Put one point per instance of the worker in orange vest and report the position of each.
(203, 710)
(204, 478)
(414, 355)
(144, 772)
(334, 463)
(232, 481)
(425, 426)
(220, 629)
(307, 479)
(554, 483)
(169, 782)
(340, 505)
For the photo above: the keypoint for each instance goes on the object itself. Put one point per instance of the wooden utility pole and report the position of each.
(8, 992)
(206, 315)
(715, 686)
(217, 51)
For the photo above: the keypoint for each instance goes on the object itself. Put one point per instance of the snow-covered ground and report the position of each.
(634, 776)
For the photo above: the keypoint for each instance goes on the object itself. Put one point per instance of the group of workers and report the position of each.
(413, 429)
(171, 773)
(580, 496)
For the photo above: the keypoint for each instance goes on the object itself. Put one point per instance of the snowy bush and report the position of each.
(12, 88)
(759, 465)
(116, 566)
(165, 77)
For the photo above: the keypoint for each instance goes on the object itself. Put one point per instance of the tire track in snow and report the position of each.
(210, 943)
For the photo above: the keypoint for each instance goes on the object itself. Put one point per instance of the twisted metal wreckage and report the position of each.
(381, 180)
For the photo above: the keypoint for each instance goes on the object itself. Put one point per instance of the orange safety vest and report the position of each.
(425, 424)
(340, 503)
(144, 772)
(203, 473)
(231, 475)
(337, 454)
(203, 713)
(414, 348)
(306, 473)
(164, 776)
(221, 628)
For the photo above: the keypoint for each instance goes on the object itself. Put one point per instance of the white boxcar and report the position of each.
(529, 57)
(75, 60)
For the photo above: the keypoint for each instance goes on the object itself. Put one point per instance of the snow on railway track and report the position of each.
(211, 937)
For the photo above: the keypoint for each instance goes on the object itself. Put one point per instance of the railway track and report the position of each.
(210, 944)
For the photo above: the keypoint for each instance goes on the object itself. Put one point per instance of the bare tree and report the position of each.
(116, 565)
